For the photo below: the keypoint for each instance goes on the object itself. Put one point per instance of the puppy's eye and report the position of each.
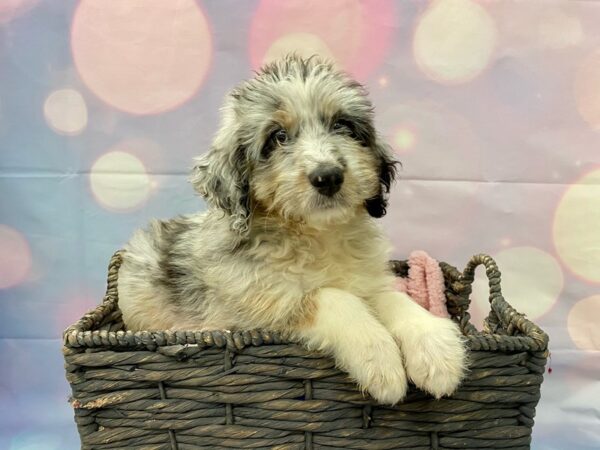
(338, 125)
(344, 126)
(281, 136)
(276, 137)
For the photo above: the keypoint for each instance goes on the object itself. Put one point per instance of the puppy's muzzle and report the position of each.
(327, 179)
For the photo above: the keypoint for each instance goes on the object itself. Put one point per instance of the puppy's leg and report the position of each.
(433, 347)
(341, 324)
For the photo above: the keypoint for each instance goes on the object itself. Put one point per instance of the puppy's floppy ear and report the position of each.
(375, 206)
(222, 177)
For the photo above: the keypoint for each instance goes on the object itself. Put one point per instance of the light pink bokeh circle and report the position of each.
(355, 34)
(141, 56)
(11, 9)
(15, 257)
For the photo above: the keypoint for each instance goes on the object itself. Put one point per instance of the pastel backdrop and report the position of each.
(492, 106)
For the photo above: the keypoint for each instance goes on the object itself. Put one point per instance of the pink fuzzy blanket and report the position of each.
(425, 283)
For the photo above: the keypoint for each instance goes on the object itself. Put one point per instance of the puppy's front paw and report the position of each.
(435, 355)
(380, 372)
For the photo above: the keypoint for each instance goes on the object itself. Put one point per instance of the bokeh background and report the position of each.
(492, 106)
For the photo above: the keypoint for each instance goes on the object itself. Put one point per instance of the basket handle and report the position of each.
(503, 318)
(494, 277)
(491, 270)
(109, 303)
(113, 275)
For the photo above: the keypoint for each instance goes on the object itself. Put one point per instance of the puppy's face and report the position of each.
(301, 137)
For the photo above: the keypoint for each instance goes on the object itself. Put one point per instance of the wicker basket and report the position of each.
(254, 389)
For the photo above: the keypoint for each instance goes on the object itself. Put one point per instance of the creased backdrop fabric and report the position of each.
(492, 106)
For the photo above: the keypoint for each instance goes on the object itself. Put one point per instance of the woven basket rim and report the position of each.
(82, 334)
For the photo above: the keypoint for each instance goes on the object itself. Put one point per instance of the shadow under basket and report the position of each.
(255, 389)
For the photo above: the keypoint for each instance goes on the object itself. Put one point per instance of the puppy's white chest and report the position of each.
(340, 263)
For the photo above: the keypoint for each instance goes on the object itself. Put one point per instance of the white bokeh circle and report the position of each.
(66, 112)
(300, 43)
(119, 181)
(576, 229)
(583, 321)
(454, 41)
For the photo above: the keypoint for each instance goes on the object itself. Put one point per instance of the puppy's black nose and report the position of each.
(328, 180)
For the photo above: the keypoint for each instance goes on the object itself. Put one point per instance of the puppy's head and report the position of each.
(298, 141)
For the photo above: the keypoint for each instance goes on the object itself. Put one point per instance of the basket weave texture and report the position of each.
(180, 390)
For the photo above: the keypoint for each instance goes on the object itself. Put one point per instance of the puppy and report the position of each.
(294, 179)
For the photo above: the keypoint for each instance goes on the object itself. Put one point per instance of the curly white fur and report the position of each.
(274, 252)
